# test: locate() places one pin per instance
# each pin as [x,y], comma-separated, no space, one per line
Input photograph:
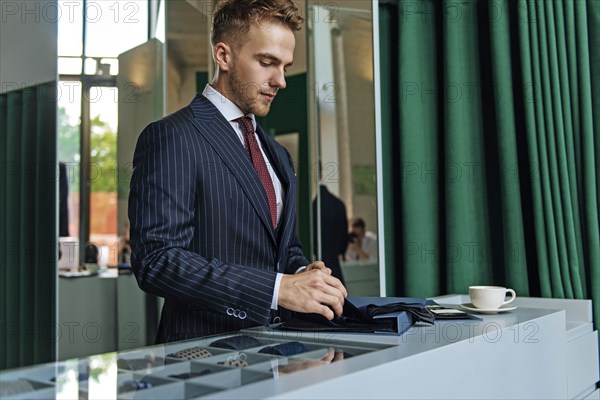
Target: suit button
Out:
[230,311]
[243,315]
[236,313]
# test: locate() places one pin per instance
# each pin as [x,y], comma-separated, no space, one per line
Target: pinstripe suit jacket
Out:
[201,230]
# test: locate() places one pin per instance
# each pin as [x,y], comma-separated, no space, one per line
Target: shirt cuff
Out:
[276,291]
[300,269]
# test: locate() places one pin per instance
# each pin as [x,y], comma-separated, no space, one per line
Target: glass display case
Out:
[543,348]
[186,369]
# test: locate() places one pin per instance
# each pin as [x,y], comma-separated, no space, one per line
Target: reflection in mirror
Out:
[187,51]
[141,100]
[343,137]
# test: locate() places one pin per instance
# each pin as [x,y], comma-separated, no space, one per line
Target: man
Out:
[333,239]
[363,243]
[213,198]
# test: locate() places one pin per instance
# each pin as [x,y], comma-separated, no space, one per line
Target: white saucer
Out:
[471,307]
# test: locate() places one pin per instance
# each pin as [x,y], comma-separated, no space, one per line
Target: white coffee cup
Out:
[490,297]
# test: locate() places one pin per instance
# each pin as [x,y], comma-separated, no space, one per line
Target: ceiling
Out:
[187,32]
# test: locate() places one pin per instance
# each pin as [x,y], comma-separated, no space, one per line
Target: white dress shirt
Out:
[231,112]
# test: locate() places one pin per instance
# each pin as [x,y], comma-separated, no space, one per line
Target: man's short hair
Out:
[358,222]
[232,19]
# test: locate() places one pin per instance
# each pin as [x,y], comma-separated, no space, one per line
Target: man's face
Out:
[258,67]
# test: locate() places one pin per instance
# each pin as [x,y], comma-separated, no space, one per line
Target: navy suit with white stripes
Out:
[201,230]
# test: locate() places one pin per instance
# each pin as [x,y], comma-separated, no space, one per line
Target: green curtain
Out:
[491,116]
[28,227]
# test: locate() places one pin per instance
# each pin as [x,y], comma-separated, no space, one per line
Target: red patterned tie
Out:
[259,164]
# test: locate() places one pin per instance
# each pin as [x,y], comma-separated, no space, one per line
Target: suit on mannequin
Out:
[334,230]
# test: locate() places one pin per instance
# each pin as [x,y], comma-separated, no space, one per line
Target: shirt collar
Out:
[225,106]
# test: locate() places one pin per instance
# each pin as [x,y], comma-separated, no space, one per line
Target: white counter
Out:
[544,349]
[548,351]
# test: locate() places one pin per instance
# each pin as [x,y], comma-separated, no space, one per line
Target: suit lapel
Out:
[223,139]
[285,173]
[276,162]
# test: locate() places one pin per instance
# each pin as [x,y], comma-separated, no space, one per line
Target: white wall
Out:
[181,84]
[141,101]
[28,43]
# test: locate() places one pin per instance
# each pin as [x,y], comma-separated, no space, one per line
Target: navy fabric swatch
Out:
[239,342]
[285,349]
[189,375]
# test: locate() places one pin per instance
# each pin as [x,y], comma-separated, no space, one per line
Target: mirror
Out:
[111,77]
[334,65]
[333,69]
[343,139]
[337,40]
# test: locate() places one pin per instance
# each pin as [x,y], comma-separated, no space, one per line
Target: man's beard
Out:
[247,96]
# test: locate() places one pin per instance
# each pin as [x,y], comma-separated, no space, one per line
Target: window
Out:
[69,120]
[91,35]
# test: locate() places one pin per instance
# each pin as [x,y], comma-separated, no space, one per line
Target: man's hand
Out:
[317,265]
[313,290]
